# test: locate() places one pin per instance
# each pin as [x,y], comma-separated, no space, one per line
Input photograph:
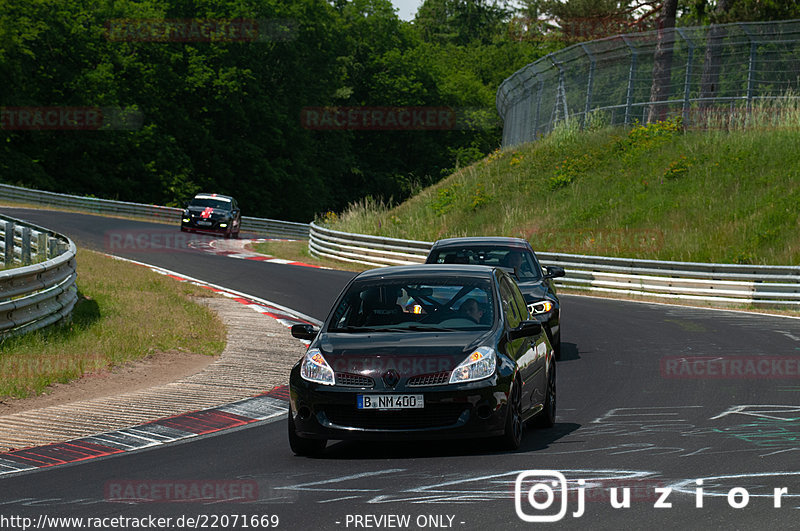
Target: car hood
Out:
[213,211]
[408,353]
[535,290]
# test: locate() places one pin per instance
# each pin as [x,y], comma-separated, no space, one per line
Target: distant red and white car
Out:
[213,213]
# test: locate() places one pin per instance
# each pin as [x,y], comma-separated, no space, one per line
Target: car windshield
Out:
[415,305]
[517,258]
[220,204]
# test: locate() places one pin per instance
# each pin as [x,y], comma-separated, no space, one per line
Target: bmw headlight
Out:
[480,364]
[315,369]
[542,306]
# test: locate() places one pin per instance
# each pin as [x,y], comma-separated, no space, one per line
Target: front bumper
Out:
[194,225]
[475,409]
[551,320]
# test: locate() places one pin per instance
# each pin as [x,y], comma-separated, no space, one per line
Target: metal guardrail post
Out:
[25,254]
[41,246]
[688,75]
[751,65]
[52,247]
[561,92]
[631,77]
[590,83]
[8,254]
[538,108]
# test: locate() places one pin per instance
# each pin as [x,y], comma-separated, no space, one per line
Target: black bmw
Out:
[514,254]
[423,352]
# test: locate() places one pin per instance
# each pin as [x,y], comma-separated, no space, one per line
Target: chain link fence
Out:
[722,69]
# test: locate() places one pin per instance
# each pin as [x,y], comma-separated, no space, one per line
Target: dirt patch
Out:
[156,369]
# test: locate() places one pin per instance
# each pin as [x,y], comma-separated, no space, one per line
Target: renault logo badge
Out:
[390,378]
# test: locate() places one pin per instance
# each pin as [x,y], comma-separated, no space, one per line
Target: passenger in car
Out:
[472,310]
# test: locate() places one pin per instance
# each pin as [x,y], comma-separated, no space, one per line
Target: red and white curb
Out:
[267,407]
[236,249]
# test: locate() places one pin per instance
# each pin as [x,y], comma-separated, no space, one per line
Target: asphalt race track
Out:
[650,397]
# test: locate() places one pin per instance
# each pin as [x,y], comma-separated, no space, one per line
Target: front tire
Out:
[302,446]
[512,436]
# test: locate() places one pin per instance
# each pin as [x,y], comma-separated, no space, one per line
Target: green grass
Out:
[125,313]
[720,193]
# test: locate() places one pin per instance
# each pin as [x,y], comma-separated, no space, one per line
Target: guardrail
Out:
[365,249]
[36,295]
[723,284]
[264,226]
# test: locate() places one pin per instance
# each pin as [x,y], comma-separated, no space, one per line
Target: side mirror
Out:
[525,329]
[554,271]
[304,331]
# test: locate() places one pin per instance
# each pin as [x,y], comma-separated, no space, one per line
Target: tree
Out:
[709,82]
[662,61]
[461,21]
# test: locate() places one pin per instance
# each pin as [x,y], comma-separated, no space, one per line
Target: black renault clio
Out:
[423,352]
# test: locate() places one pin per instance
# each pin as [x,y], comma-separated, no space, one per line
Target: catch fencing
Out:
[719,284]
[37,285]
[715,75]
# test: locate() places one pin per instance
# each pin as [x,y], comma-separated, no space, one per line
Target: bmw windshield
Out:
[520,260]
[219,204]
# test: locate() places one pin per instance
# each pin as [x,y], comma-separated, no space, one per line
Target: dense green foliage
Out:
[225,116]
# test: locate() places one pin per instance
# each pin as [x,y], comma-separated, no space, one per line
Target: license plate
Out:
[204,223]
[390,401]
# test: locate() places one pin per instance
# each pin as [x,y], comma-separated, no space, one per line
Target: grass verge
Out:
[655,191]
[125,313]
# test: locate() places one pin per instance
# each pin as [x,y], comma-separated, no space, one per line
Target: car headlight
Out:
[480,364]
[315,369]
[223,225]
[540,306]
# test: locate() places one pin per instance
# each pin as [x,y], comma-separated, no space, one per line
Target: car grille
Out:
[434,416]
[346,379]
[437,378]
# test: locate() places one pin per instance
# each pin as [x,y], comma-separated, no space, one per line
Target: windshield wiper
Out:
[418,328]
[367,329]
[353,329]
